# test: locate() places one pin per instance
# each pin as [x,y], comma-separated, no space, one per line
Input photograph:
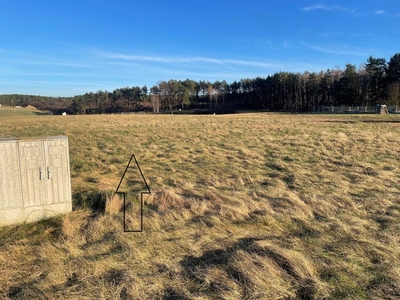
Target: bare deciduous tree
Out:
[394,94]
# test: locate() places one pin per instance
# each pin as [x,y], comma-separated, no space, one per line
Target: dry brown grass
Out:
[114,205]
[252,206]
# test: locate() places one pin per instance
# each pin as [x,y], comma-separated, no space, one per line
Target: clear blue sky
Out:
[69,47]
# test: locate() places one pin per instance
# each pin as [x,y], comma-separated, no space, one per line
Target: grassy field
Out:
[251,206]
[13,111]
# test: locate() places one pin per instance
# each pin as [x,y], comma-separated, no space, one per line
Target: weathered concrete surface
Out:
[35,181]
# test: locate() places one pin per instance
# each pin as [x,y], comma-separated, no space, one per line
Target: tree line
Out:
[376,82]
[54,104]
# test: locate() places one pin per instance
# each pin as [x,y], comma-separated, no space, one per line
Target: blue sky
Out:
[69,47]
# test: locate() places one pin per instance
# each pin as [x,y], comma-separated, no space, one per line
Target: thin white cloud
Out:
[159,58]
[250,63]
[41,60]
[379,12]
[54,63]
[142,58]
[52,74]
[47,82]
[218,75]
[327,7]
[335,49]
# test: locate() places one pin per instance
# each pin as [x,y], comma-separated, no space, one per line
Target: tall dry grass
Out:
[256,206]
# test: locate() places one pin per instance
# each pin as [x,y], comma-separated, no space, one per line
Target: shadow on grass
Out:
[172,293]
[196,267]
[34,232]
[92,200]
[26,291]
[218,256]
[50,228]
[380,121]
[361,121]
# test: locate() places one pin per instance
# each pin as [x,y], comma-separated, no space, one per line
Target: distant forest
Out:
[377,82]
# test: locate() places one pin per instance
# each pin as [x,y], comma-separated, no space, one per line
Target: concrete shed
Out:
[35,180]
